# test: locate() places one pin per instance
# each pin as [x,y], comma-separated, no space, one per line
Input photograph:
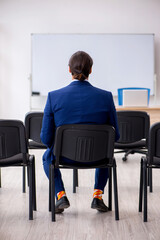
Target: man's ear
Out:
[90,71]
[69,69]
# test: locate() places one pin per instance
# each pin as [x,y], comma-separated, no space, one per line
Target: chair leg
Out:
[31,189]
[74,180]
[110,189]
[115,190]
[24,179]
[53,218]
[141,186]
[34,186]
[145,190]
[50,188]
[76,172]
[28,176]
[150,179]
[0,177]
[126,155]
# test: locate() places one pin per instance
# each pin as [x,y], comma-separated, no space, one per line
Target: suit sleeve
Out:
[113,119]
[48,125]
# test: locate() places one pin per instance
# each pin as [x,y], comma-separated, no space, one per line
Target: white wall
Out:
[18,19]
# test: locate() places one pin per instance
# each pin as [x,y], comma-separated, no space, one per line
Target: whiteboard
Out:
[119,60]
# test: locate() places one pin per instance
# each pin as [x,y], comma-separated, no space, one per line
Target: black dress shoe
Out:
[99,205]
[57,210]
[61,204]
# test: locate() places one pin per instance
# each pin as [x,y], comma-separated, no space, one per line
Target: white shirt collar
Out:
[78,80]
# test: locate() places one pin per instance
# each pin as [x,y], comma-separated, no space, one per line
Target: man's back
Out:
[79,102]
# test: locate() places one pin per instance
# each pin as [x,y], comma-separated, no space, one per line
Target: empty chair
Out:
[33,124]
[134,130]
[14,152]
[149,162]
[85,143]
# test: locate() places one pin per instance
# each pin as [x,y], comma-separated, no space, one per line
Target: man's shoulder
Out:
[58,91]
[71,87]
[102,91]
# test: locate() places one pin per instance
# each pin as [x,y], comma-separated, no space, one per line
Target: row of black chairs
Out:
[134,129]
[133,125]
[80,143]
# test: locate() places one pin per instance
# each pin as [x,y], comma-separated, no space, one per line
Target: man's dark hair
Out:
[80,65]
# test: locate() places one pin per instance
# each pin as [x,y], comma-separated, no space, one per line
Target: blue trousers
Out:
[101,175]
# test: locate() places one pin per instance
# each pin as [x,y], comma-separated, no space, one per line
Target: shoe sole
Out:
[63,205]
[99,209]
[57,211]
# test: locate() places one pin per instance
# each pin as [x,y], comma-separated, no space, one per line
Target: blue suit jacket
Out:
[79,102]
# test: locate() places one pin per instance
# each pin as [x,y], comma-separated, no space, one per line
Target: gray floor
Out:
[79,222]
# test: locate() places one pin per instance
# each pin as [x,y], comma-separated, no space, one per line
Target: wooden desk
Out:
[154,112]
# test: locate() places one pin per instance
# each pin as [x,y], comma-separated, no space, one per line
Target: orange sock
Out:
[97,194]
[61,194]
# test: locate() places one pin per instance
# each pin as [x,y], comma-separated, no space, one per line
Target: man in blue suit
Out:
[79,102]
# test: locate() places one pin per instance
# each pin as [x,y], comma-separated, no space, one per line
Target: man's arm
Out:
[48,125]
[113,119]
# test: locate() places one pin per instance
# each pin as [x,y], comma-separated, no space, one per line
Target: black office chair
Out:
[149,162]
[85,143]
[33,124]
[14,152]
[134,130]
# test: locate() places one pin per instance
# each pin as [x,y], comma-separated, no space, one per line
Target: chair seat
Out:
[72,164]
[156,161]
[138,144]
[36,145]
[16,160]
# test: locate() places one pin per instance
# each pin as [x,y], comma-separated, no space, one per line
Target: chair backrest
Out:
[84,143]
[33,125]
[133,126]
[154,144]
[12,138]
